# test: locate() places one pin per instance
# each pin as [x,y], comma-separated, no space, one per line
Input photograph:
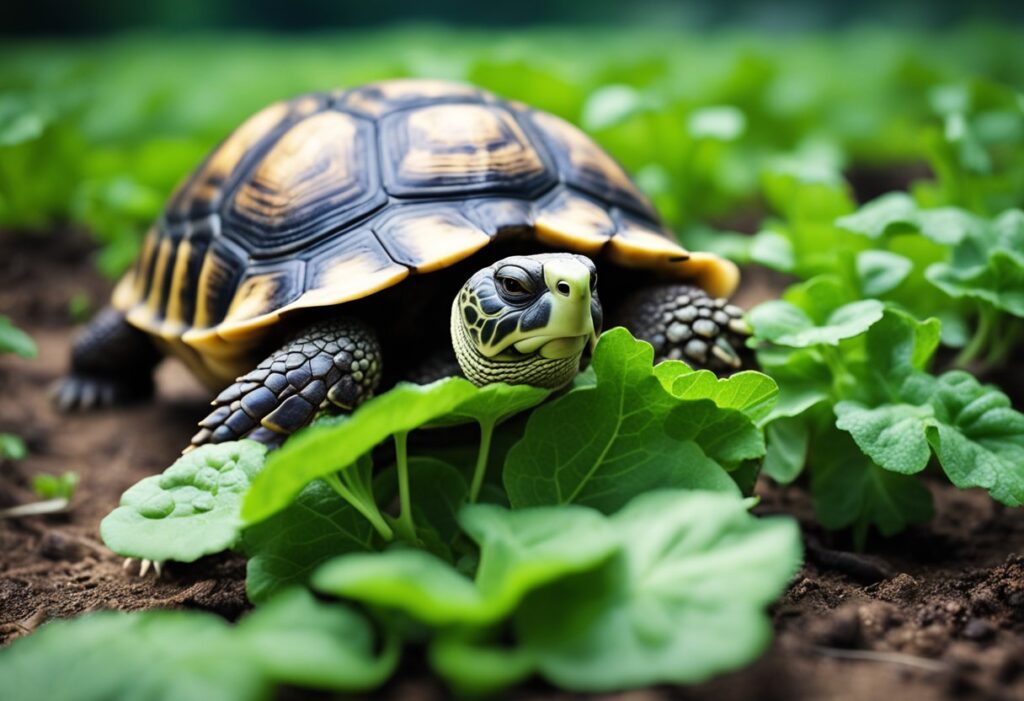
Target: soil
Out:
[936,613]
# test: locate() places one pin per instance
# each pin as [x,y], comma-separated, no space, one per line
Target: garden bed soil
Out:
[937,613]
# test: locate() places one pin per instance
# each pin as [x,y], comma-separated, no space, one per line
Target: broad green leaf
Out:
[890,213]
[881,271]
[295,639]
[476,669]
[786,453]
[603,445]
[113,656]
[284,549]
[494,403]
[722,123]
[438,490]
[14,340]
[190,510]
[682,602]
[725,436]
[170,655]
[786,325]
[851,491]
[319,451]
[751,392]
[898,345]
[519,551]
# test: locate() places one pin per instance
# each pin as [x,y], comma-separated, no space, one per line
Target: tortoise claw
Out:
[144,565]
[79,391]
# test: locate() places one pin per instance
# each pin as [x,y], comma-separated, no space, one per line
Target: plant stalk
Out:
[372,515]
[404,525]
[486,432]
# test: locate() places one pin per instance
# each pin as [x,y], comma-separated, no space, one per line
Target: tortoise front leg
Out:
[334,363]
[112,362]
[683,322]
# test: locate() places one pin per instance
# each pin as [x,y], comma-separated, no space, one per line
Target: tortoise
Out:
[330,231]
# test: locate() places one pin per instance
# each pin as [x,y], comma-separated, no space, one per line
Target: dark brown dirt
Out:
[937,613]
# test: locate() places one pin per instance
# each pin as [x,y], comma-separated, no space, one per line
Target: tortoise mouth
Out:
[552,347]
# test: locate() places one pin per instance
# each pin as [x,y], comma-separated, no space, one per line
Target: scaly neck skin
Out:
[531,369]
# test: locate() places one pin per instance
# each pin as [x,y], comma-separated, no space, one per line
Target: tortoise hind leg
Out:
[683,322]
[112,362]
[331,364]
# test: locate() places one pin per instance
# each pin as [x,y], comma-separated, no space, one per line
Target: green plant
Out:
[55,486]
[567,520]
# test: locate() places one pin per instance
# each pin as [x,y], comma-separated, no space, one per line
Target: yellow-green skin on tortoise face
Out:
[331,197]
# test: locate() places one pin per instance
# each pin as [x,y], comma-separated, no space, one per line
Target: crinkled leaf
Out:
[601,446]
[725,436]
[786,325]
[284,549]
[897,213]
[976,435]
[321,450]
[519,551]
[683,601]
[190,510]
[14,340]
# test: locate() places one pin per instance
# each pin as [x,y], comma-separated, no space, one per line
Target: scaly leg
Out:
[683,323]
[334,363]
[112,362]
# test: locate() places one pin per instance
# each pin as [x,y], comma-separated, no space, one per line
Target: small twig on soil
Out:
[36,508]
[858,567]
[876,656]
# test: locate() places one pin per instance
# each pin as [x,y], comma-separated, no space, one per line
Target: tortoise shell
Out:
[331,197]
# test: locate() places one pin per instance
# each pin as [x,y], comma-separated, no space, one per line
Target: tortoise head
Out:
[527,320]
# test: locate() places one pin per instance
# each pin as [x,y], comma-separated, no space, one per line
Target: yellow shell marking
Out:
[584,154]
[156,288]
[465,139]
[313,159]
[574,223]
[206,186]
[434,241]
[174,322]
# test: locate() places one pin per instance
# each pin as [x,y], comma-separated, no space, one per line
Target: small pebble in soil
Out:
[55,546]
[978,629]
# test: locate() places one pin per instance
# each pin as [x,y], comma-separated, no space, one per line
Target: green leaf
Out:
[194,655]
[12,447]
[55,487]
[14,340]
[319,451]
[787,440]
[295,639]
[751,392]
[477,670]
[721,123]
[519,551]
[683,601]
[881,271]
[976,435]
[190,510]
[850,490]
[285,549]
[786,325]
[600,446]
[438,490]
[898,345]
[494,403]
[988,264]
[891,213]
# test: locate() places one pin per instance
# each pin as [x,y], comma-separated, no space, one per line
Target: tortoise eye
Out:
[512,286]
[514,283]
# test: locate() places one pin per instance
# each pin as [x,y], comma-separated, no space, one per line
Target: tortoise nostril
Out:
[563,288]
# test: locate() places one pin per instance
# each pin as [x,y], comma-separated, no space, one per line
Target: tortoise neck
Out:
[532,369]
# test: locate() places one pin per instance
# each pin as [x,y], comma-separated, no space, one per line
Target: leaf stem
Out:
[486,432]
[986,319]
[404,525]
[372,515]
[1004,343]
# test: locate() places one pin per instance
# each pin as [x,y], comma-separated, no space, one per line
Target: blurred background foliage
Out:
[97,131]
